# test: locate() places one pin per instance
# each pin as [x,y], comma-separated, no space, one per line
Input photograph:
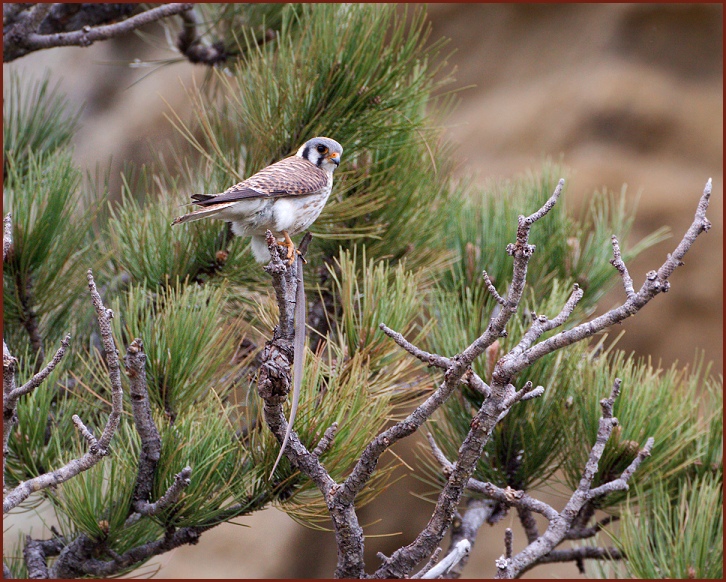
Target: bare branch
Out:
[7,234]
[526,393]
[542,324]
[656,282]
[135,361]
[95,454]
[38,378]
[700,224]
[619,264]
[522,252]
[424,356]
[273,385]
[326,440]
[549,205]
[86,433]
[22,37]
[492,289]
[621,484]
[460,551]
[182,480]
[104,317]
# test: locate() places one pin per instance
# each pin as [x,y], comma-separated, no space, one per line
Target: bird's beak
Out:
[335,158]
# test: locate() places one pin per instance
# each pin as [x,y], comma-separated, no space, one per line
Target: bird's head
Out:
[324,152]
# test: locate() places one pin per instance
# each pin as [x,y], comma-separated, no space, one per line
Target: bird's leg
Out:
[291,250]
[290,247]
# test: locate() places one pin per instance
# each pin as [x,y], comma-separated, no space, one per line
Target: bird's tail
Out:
[203,213]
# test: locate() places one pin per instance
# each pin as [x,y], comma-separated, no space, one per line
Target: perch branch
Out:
[273,385]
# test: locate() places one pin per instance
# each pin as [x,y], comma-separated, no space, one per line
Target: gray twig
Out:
[619,264]
[492,289]
[22,37]
[135,363]
[93,456]
[182,480]
[424,356]
[459,552]
[38,378]
[326,440]
[7,235]
[86,433]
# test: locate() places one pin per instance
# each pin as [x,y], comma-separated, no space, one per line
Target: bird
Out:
[285,197]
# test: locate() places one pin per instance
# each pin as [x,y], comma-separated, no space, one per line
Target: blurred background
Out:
[623,95]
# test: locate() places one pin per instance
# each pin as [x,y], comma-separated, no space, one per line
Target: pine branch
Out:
[98,450]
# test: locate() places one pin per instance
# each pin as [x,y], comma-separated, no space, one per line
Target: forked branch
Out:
[97,449]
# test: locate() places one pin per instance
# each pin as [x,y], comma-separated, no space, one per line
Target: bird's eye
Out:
[322,149]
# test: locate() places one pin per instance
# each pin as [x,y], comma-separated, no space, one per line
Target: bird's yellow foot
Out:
[290,248]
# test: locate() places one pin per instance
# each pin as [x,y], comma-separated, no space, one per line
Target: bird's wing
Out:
[293,176]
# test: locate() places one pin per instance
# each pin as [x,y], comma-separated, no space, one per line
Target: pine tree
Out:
[401,243]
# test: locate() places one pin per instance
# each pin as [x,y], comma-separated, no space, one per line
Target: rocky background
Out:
[621,94]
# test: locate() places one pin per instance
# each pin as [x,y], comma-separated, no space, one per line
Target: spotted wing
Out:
[293,176]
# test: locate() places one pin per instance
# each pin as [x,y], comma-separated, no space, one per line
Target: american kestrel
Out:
[285,197]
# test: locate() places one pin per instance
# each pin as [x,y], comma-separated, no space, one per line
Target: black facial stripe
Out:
[306,152]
